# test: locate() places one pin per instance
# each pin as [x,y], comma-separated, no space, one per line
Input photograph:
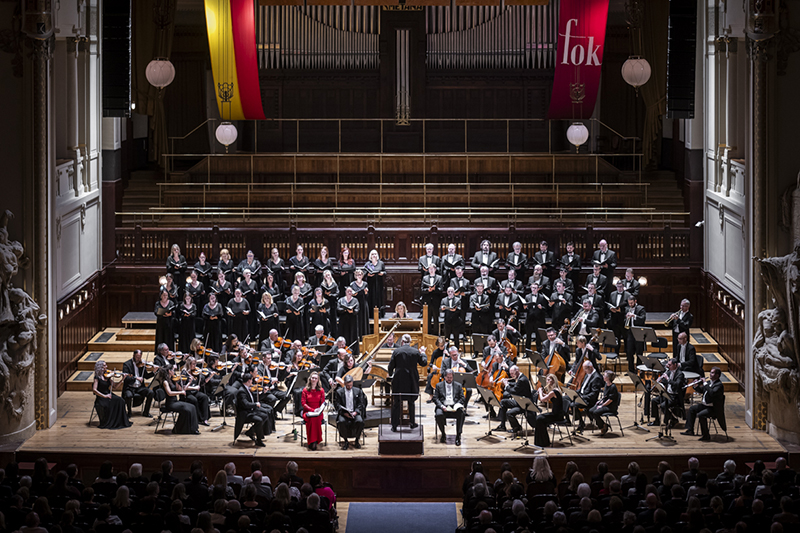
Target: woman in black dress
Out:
[295,312]
[321,264]
[277,266]
[194,386]
[171,288]
[331,292]
[272,287]
[110,407]
[267,317]
[187,312]
[203,270]
[299,262]
[176,401]
[238,310]
[225,265]
[549,393]
[249,289]
[306,290]
[345,271]
[361,291]
[318,312]
[252,264]
[164,312]
[196,289]
[222,288]
[176,263]
[347,308]
[212,322]
[375,270]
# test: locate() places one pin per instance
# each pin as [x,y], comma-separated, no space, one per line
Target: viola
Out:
[202,351]
[283,343]
[327,341]
[113,374]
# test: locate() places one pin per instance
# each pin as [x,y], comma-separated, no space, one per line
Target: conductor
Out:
[405,379]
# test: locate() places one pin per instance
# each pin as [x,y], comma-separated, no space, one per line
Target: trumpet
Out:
[672,317]
[575,327]
[629,319]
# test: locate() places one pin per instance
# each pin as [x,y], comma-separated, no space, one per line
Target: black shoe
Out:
[196,431]
[204,423]
[671,424]
[260,444]
[314,446]
[394,428]
[346,445]
[458,440]
[430,401]
[654,423]
[443,438]
[413,425]
[501,427]
[688,432]
[356,444]
[147,415]
[705,438]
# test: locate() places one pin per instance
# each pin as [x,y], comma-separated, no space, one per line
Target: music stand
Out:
[467,380]
[221,390]
[478,343]
[637,383]
[653,363]
[607,338]
[542,333]
[537,360]
[663,431]
[576,401]
[641,334]
[491,401]
[325,358]
[527,405]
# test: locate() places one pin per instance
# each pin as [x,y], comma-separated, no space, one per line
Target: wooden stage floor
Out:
[72,439]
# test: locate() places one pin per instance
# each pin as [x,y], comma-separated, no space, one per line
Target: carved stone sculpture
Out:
[775,345]
[20,323]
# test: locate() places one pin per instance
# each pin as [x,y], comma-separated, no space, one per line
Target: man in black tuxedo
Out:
[428,259]
[687,355]
[505,332]
[585,351]
[316,338]
[490,285]
[405,379]
[713,404]
[536,308]
[250,410]
[431,290]
[517,260]
[607,260]
[516,385]
[461,287]
[450,403]
[271,378]
[508,305]
[681,323]
[637,317]
[599,280]
[540,279]
[450,263]
[630,283]
[616,313]
[674,381]
[598,303]
[569,287]
[588,390]
[134,391]
[485,257]
[456,364]
[482,310]
[561,305]
[554,344]
[589,319]
[451,307]
[572,262]
[546,258]
[351,407]
[513,282]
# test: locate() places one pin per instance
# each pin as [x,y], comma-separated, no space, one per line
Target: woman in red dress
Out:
[312,398]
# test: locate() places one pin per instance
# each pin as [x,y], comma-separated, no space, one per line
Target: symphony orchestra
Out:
[253,337]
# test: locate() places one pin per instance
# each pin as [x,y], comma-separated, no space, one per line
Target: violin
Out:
[327,340]
[278,366]
[227,365]
[114,374]
[283,343]
[177,356]
[180,377]
[202,351]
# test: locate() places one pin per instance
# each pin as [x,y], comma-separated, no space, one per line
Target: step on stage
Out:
[365,473]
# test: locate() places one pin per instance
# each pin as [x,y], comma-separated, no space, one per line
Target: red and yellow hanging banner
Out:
[579,58]
[232,43]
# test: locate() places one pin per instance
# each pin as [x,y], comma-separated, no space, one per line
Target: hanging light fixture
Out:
[636,71]
[160,72]
[226,134]
[577,134]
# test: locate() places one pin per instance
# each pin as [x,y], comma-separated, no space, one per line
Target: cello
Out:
[577,379]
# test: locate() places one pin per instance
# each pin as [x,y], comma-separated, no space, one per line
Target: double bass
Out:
[493,380]
[555,363]
[577,379]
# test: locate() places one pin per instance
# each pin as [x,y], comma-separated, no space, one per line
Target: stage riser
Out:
[383,478]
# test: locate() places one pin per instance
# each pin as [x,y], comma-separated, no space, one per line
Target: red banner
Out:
[579,58]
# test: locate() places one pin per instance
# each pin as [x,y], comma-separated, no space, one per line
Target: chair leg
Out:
[621,431]
[91,415]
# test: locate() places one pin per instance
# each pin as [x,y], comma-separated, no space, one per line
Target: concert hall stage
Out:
[363,474]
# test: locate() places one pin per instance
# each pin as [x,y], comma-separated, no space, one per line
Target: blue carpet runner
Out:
[401,518]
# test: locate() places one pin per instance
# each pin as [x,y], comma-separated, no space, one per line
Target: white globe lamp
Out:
[160,72]
[636,71]
[577,134]
[226,134]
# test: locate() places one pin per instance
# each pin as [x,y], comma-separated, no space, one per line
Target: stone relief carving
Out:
[775,344]
[20,322]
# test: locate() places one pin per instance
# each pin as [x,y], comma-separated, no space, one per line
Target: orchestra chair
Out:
[302,424]
[716,421]
[239,425]
[557,427]
[163,413]
[607,419]
[339,439]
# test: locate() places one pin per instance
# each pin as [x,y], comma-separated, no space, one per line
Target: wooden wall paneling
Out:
[721,319]
[78,318]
